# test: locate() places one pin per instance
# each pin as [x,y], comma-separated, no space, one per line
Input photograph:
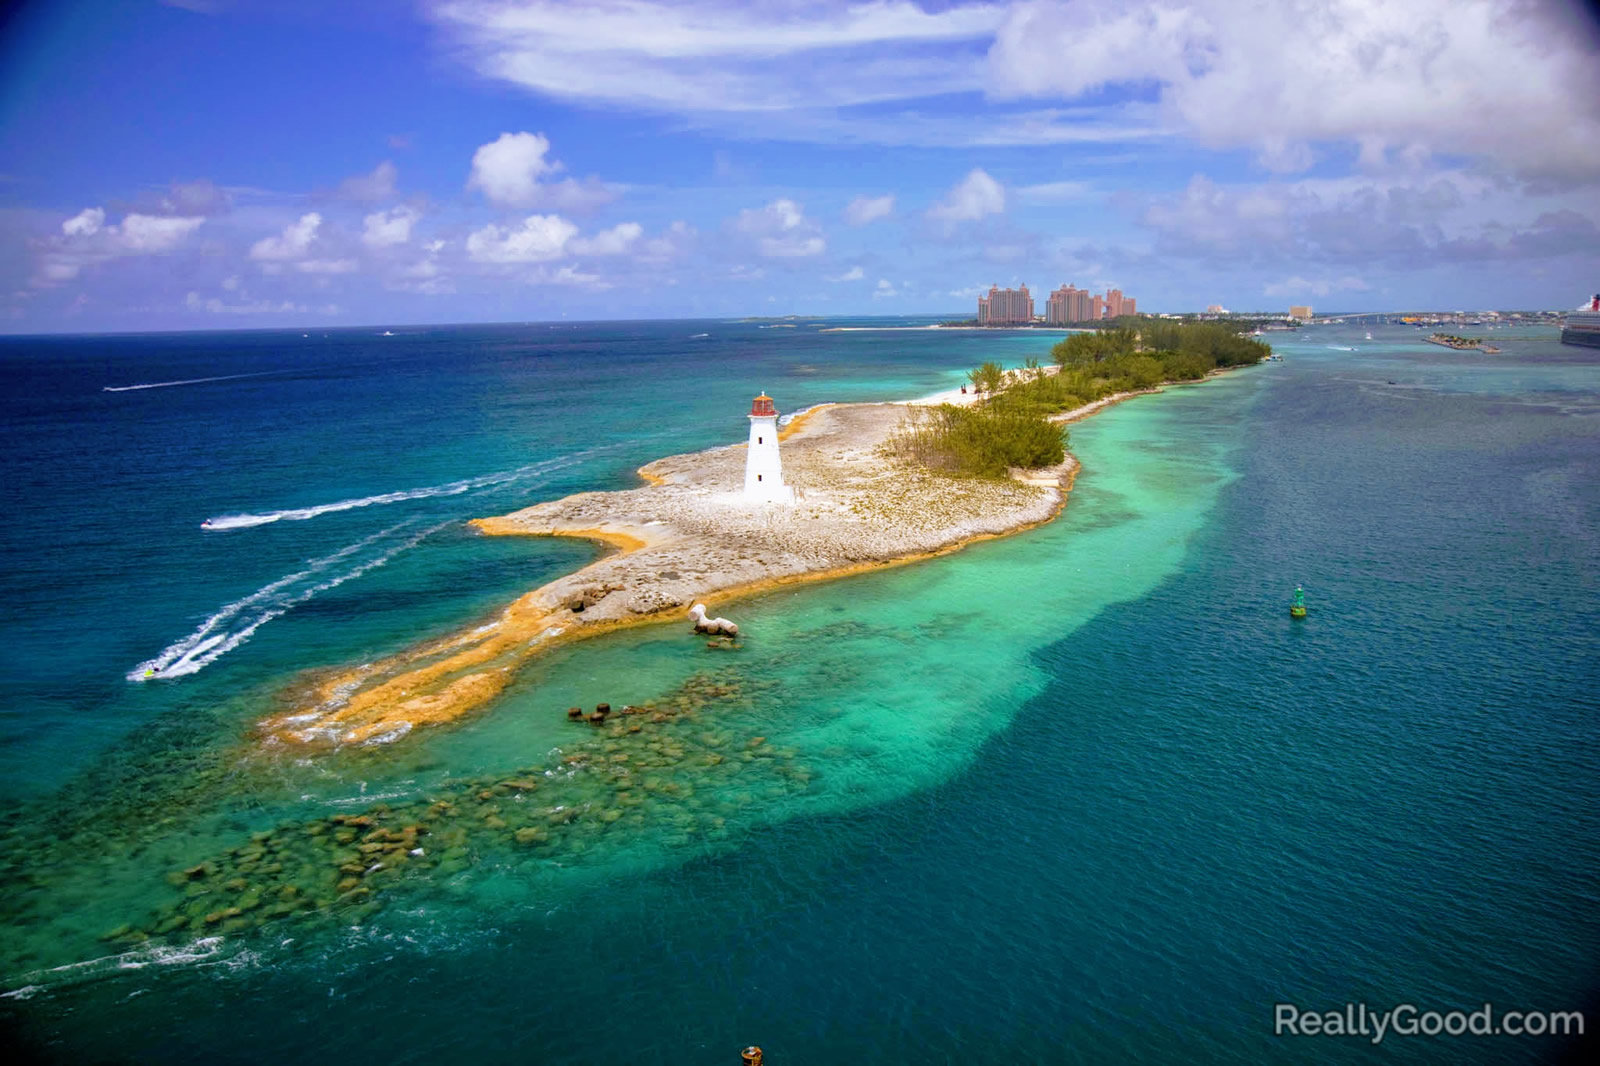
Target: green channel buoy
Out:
[1297,609]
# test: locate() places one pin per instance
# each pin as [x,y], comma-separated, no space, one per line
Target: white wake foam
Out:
[204,951]
[453,488]
[236,622]
[190,381]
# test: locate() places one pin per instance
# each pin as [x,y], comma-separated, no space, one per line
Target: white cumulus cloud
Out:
[508,168]
[539,239]
[293,243]
[1512,80]
[614,241]
[384,229]
[85,223]
[154,233]
[513,171]
[86,240]
[781,230]
[975,196]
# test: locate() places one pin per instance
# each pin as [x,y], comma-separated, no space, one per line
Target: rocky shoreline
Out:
[685,536]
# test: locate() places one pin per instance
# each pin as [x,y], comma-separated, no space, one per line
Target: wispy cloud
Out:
[1513,81]
[710,56]
[865,209]
[1407,222]
[1298,286]
[378,185]
[1055,192]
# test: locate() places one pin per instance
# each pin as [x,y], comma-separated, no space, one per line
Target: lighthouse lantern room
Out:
[763,470]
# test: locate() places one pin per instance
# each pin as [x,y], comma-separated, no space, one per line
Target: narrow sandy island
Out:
[685,536]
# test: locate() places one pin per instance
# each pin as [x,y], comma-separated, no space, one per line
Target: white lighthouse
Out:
[763,470]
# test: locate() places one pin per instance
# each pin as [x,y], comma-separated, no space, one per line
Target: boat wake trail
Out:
[234,623]
[205,951]
[191,381]
[453,488]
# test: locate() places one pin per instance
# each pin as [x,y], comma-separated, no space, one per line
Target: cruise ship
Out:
[1583,326]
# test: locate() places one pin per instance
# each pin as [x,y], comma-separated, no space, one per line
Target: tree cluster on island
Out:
[1010,425]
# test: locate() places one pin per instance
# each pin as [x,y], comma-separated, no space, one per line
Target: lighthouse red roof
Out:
[762,407]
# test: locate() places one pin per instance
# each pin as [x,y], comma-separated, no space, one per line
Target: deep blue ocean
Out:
[1086,794]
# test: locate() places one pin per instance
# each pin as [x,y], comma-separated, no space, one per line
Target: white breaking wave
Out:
[190,381]
[784,420]
[453,488]
[234,623]
[205,951]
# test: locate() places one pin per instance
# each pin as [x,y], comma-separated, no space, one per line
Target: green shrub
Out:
[977,441]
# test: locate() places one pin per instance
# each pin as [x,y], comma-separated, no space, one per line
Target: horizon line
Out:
[324,328]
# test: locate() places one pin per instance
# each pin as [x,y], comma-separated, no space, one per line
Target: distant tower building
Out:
[1005,307]
[763,470]
[1070,304]
[1113,303]
[1062,307]
[1130,306]
[1082,305]
[1301,312]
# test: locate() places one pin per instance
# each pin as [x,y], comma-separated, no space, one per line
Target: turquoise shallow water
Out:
[1085,794]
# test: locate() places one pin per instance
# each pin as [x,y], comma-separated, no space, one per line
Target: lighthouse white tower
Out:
[763,470]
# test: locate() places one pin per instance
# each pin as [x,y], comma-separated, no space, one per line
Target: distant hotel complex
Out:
[1067,305]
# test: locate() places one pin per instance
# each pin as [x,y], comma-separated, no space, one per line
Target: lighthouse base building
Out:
[763,468]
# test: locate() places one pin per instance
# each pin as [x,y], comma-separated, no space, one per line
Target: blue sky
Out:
[204,164]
